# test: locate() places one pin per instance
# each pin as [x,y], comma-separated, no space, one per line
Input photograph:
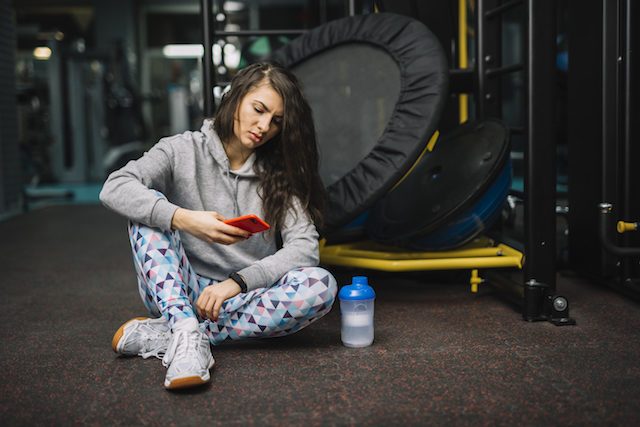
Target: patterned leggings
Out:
[170,287]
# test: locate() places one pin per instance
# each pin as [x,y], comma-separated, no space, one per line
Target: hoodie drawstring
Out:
[235,196]
[234,188]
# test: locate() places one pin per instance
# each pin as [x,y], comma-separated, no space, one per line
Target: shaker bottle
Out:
[356,312]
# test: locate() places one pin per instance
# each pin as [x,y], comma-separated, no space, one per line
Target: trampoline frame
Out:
[481,253]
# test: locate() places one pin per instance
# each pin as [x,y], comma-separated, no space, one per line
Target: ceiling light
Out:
[191,51]
[183,51]
[42,52]
[233,6]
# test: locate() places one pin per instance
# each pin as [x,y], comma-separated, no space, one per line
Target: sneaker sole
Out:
[118,336]
[185,383]
[188,381]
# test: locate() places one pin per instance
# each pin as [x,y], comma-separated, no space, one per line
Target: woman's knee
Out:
[328,279]
[318,282]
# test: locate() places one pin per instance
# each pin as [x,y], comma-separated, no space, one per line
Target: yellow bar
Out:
[475,280]
[482,246]
[364,253]
[463,99]
[423,264]
[462,33]
[508,251]
[378,257]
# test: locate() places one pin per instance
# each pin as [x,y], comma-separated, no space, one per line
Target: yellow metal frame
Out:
[463,56]
[481,253]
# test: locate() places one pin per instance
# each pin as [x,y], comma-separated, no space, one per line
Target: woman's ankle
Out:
[188,324]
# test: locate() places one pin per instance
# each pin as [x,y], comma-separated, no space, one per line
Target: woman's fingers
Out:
[212,297]
[223,239]
[226,234]
[208,226]
[216,309]
[205,306]
[201,307]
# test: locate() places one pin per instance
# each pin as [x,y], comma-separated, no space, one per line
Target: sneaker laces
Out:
[152,345]
[188,349]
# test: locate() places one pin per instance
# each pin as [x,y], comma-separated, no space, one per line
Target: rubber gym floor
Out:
[442,355]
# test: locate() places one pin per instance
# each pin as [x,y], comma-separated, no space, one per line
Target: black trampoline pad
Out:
[360,82]
[377,85]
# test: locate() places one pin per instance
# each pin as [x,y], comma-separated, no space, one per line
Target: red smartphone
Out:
[251,223]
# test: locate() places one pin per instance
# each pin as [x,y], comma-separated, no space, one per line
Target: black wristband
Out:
[240,281]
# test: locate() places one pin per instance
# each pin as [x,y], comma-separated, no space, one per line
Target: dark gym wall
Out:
[116,20]
[597,125]
[10,170]
[440,16]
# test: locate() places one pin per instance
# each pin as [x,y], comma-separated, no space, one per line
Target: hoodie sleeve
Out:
[300,249]
[126,191]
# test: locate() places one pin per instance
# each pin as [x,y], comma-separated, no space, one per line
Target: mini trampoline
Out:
[377,84]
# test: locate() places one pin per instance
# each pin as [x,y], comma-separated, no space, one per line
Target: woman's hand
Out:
[213,296]
[208,227]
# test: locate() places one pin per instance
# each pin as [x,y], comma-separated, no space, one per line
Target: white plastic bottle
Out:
[356,312]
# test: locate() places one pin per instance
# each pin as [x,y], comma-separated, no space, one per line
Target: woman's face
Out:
[259,117]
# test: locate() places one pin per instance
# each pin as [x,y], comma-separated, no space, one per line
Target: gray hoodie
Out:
[192,171]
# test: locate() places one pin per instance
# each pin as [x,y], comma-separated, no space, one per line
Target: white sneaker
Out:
[188,359]
[142,337]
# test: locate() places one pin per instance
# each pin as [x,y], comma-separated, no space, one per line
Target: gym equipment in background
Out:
[453,195]
[377,84]
[358,197]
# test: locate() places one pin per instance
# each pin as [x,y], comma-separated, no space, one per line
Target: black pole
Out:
[208,72]
[630,128]
[540,147]
[488,56]
[610,102]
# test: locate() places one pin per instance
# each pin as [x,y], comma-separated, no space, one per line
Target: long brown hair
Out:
[288,163]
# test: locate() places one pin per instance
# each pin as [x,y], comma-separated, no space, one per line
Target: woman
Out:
[207,281]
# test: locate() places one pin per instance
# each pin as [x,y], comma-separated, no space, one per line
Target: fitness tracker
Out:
[240,281]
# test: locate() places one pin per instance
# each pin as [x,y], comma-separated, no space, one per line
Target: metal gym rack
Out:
[536,294]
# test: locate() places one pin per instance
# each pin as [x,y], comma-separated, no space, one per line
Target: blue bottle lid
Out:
[359,289]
